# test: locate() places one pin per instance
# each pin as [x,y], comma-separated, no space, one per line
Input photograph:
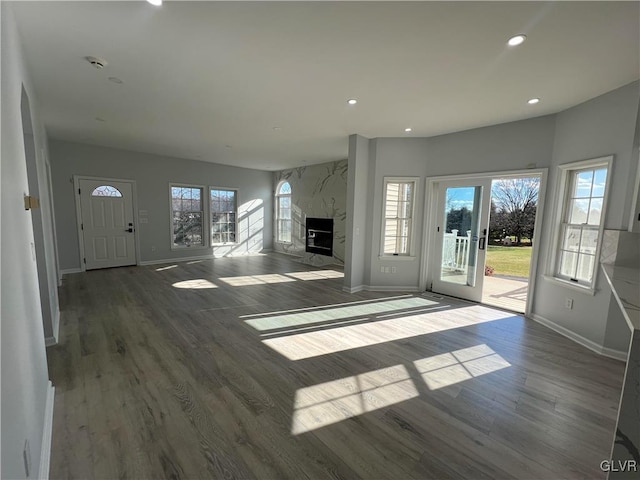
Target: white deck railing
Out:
[455,252]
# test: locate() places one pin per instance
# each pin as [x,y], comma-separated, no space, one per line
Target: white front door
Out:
[107,226]
[462,223]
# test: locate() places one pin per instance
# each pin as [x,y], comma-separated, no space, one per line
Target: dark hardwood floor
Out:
[261,367]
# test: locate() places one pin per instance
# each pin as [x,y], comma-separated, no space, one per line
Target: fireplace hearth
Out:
[319,235]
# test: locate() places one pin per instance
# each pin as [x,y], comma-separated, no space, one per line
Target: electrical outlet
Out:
[153,248]
[381,269]
[394,269]
[568,303]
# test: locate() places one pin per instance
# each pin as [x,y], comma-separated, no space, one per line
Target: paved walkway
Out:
[505,292]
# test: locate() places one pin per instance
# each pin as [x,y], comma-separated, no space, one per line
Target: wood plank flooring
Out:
[261,367]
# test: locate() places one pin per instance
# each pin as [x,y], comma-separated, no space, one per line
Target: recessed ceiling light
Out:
[352,101]
[408,129]
[517,40]
[277,129]
[227,146]
[116,80]
[99,119]
[157,3]
[533,101]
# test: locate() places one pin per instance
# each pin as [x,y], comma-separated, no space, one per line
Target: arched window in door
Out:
[106,191]
[283,212]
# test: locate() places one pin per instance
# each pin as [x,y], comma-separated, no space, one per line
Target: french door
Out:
[462,223]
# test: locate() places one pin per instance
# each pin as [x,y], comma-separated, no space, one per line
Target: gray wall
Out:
[153,174]
[356,221]
[602,126]
[511,146]
[25,384]
[316,191]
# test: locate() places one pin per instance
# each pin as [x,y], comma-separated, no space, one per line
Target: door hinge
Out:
[78,191]
[438,229]
[84,260]
[82,226]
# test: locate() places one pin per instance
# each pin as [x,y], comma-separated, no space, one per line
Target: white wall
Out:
[153,174]
[25,385]
[605,125]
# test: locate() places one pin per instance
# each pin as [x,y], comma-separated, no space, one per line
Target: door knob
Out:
[130,230]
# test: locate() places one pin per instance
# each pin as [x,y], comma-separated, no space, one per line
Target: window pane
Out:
[583,184]
[599,182]
[572,239]
[578,212]
[595,211]
[568,263]
[585,267]
[589,241]
[285,189]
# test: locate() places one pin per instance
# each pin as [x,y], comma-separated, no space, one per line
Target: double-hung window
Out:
[584,187]
[283,213]
[399,197]
[223,215]
[187,215]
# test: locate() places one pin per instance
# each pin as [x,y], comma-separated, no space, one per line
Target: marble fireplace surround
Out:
[620,258]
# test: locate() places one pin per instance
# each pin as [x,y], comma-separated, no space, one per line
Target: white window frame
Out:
[210,221]
[203,190]
[566,174]
[410,253]
[277,216]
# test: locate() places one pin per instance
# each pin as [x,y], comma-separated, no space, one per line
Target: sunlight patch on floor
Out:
[246,280]
[333,313]
[316,275]
[454,367]
[165,268]
[331,402]
[323,342]
[196,284]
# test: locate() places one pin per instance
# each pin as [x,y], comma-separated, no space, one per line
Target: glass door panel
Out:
[462,222]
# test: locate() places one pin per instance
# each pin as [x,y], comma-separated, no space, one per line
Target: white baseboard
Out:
[579,339]
[67,271]
[357,289]
[47,433]
[53,340]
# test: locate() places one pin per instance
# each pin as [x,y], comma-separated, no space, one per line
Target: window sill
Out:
[401,258]
[566,283]
[227,244]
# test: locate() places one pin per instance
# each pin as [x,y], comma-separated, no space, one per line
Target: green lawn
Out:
[513,261]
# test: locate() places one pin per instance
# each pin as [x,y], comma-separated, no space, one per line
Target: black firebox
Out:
[320,236]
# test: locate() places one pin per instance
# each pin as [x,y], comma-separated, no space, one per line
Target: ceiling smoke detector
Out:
[99,63]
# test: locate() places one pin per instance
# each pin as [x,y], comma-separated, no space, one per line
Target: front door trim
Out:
[429,238]
[76,196]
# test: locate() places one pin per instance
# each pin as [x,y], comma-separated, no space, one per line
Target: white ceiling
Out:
[211,80]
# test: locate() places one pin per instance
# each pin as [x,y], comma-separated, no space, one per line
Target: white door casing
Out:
[107,227]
